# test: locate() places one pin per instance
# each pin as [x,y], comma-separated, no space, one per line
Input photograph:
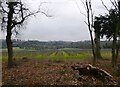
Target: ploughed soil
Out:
[30,72]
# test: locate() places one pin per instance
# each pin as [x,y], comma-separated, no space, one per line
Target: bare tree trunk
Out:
[116,34]
[10,50]
[93,51]
[118,47]
[97,46]
[9,34]
[114,50]
[117,41]
[89,27]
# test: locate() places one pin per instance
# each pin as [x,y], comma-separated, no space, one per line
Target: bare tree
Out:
[14,15]
[90,23]
[93,29]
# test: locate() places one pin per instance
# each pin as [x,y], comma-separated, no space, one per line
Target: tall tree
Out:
[90,24]
[14,15]
[118,26]
[93,30]
[114,17]
[89,15]
[109,28]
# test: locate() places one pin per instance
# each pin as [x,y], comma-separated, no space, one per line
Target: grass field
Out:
[54,55]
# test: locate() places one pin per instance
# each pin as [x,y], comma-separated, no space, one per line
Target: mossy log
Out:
[89,70]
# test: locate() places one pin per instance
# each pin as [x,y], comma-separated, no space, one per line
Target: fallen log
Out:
[89,70]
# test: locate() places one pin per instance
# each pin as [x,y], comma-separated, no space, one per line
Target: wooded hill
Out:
[40,45]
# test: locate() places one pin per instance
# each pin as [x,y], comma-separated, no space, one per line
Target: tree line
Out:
[41,45]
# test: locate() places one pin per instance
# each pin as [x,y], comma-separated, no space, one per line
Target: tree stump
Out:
[89,70]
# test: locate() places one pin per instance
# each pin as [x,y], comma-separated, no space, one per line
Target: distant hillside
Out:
[40,45]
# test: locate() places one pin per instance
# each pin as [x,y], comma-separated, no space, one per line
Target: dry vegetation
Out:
[58,72]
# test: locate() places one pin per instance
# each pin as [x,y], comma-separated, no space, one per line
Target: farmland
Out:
[60,54]
[54,50]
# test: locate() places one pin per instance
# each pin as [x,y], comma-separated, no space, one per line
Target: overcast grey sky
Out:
[65,24]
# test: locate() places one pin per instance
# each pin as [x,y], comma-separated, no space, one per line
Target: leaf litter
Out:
[46,72]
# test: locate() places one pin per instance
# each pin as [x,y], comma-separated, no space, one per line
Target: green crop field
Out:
[54,55]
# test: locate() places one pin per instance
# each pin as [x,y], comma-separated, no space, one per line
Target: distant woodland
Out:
[41,45]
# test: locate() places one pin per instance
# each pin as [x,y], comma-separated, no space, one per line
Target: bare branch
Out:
[79,9]
[83,4]
[3,10]
[28,15]
[104,5]
[21,9]
[45,14]
[88,14]
[92,14]
[24,18]
[114,4]
[86,23]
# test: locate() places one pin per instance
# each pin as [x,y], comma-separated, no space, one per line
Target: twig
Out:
[79,9]
[113,3]
[104,5]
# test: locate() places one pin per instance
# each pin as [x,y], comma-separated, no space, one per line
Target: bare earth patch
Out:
[47,72]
